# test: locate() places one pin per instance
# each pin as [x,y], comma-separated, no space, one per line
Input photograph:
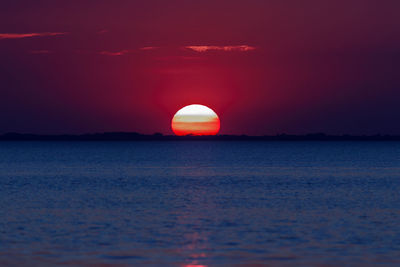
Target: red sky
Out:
[265,67]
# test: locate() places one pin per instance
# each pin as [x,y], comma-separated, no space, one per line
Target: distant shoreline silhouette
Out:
[133,136]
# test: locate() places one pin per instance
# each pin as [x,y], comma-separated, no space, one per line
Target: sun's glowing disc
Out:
[195,120]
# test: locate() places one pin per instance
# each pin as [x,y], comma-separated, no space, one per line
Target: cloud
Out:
[41,52]
[116,53]
[28,35]
[149,48]
[228,48]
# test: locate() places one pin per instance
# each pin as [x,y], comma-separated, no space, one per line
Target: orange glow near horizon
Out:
[195,120]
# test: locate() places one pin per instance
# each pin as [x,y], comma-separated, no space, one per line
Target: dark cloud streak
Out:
[29,35]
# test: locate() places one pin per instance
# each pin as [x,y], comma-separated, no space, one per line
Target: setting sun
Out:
[195,120]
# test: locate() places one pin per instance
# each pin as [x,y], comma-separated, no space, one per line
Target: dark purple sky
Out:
[265,67]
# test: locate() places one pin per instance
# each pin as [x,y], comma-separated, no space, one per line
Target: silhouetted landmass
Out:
[125,136]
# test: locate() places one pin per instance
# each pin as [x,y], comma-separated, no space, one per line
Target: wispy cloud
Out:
[41,52]
[28,35]
[206,48]
[114,53]
[149,48]
[102,31]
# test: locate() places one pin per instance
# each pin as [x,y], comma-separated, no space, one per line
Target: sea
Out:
[200,203]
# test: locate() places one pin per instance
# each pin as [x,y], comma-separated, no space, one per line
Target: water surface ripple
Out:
[200,203]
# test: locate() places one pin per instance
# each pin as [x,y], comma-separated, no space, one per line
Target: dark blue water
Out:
[200,203]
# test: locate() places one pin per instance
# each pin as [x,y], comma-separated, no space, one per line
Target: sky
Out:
[264,66]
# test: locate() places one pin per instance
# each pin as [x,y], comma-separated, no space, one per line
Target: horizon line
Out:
[135,136]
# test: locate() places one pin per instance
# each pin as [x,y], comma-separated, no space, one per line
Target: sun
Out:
[195,120]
